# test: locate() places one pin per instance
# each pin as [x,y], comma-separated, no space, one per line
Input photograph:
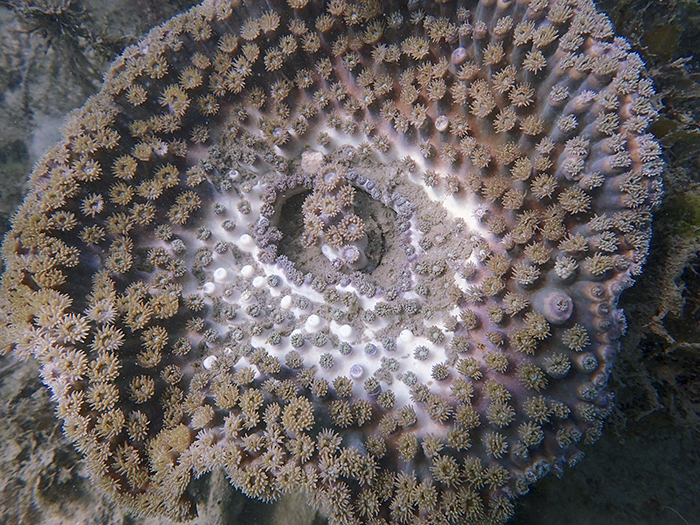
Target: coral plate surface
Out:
[370,251]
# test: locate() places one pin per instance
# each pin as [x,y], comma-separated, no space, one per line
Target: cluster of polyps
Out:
[369,251]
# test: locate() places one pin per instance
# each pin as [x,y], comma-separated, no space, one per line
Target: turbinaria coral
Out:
[369,251]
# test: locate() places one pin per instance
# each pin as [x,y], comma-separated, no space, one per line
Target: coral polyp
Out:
[367,250]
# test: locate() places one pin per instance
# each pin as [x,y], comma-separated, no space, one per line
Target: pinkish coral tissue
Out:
[367,250]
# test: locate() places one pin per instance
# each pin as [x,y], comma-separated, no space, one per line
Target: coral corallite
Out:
[367,250]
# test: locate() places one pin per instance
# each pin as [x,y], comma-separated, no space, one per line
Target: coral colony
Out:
[367,250]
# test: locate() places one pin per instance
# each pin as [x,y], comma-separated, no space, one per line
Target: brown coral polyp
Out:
[367,250]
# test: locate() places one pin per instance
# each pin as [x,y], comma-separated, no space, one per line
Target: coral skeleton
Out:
[371,251]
